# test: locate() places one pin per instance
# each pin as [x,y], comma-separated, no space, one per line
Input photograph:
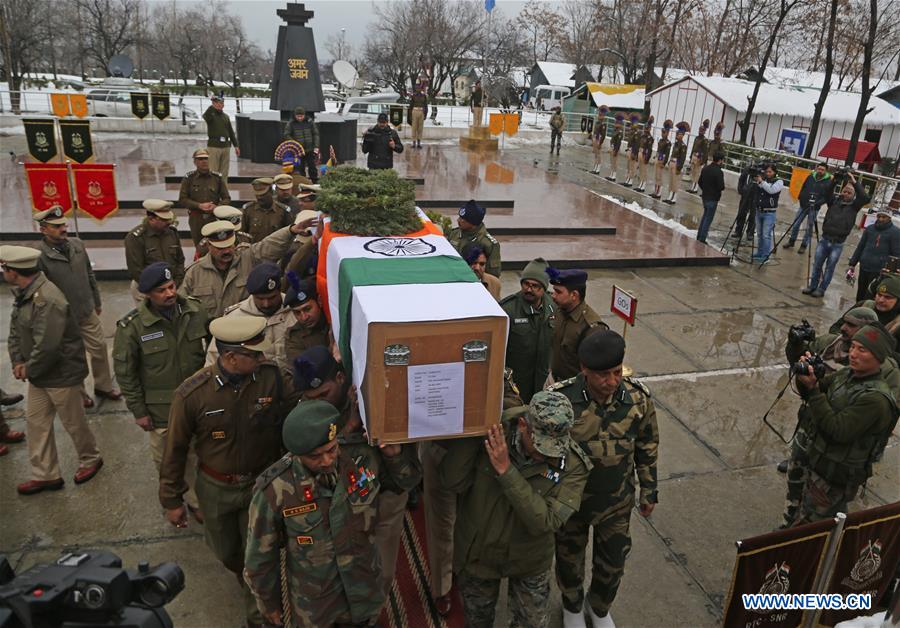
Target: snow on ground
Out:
[873,621]
[637,208]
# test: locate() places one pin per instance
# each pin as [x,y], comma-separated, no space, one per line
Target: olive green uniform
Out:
[144,246]
[622,438]
[44,336]
[261,221]
[277,326]
[505,523]
[298,339]
[571,328]
[235,426]
[334,573]
[484,240]
[218,290]
[198,187]
[528,344]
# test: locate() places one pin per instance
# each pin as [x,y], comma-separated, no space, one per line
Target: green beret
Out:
[309,425]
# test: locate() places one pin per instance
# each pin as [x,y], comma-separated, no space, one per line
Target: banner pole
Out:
[824,577]
[70,177]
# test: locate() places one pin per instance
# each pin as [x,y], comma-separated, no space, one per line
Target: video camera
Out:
[81,590]
[820,369]
[756,169]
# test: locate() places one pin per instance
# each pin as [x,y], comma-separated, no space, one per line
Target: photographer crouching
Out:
[845,422]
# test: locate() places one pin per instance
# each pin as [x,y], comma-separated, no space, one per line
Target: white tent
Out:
[778,107]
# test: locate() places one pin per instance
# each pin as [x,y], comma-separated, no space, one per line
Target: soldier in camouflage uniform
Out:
[156,239]
[662,158]
[699,154]
[471,229]
[598,136]
[265,215]
[676,163]
[531,317]
[201,190]
[633,137]
[574,320]
[319,503]
[646,141]
[615,145]
[848,418]
[615,422]
[517,487]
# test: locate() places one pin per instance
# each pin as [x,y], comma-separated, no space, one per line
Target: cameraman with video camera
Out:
[845,422]
[817,190]
[747,207]
[769,188]
[840,218]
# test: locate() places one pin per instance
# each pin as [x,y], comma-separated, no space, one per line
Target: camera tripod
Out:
[797,220]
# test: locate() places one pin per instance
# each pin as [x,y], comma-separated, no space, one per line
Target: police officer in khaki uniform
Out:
[265,300]
[470,229]
[46,350]
[158,345]
[575,320]
[219,279]
[310,328]
[156,239]
[201,191]
[265,215]
[234,216]
[65,262]
[285,193]
[232,411]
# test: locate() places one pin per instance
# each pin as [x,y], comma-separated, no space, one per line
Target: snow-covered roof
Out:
[806,78]
[792,101]
[558,73]
[617,96]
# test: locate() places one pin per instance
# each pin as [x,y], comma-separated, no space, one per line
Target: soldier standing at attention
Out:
[531,316]
[676,164]
[516,488]
[65,262]
[715,145]
[476,103]
[471,229]
[699,153]
[319,503]
[219,279]
[598,136]
[663,146]
[557,124]
[418,108]
[646,141]
[575,320]
[220,136]
[201,191]
[158,345]
[46,350]
[615,420]
[156,239]
[264,215]
[633,136]
[615,145]
[233,412]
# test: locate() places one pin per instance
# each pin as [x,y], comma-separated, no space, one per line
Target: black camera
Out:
[815,361]
[88,590]
[803,332]
[843,170]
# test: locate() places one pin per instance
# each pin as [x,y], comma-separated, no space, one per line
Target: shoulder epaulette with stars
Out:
[278,467]
[218,174]
[123,322]
[138,231]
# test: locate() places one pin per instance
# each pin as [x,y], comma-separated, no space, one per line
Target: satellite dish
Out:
[345,73]
[120,66]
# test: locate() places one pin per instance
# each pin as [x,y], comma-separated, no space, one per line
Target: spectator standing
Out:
[817,191]
[840,217]
[711,182]
[220,137]
[380,142]
[879,241]
[304,131]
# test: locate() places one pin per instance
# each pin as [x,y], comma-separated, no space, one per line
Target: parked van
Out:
[366,108]
[546,97]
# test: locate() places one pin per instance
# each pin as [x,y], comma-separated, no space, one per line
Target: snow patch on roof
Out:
[558,73]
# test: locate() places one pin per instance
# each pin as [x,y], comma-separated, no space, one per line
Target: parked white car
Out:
[115,103]
[365,109]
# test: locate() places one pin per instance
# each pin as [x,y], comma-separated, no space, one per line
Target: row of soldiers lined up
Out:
[215,416]
[639,148]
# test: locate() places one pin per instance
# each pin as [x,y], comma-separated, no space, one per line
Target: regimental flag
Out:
[495,123]
[346,262]
[59,103]
[396,115]
[798,178]
[76,140]
[140,104]
[161,107]
[95,189]
[48,185]
[78,105]
[41,137]
[510,123]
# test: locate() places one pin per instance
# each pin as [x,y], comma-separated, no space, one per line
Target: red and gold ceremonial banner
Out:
[95,189]
[59,103]
[784,561]
[78,105]
[798,177]
[48,185]
[866,559]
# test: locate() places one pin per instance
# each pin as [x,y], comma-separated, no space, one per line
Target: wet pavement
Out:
[709,344]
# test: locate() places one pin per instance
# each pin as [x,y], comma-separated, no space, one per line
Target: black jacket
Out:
[375,144]
[841,217]
[711,182]
[875,246]
[819,190]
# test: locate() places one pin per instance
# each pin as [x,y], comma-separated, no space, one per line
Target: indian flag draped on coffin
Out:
[418,334]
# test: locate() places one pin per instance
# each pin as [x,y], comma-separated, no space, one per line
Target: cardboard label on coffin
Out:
[386,391]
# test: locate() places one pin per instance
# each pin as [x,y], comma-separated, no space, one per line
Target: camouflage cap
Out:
[551,417]
[889,284]
[310,425]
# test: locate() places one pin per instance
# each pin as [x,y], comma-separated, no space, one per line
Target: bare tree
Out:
[109,27]
[826,82]
[338,47]
[579,45]
[543,28]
